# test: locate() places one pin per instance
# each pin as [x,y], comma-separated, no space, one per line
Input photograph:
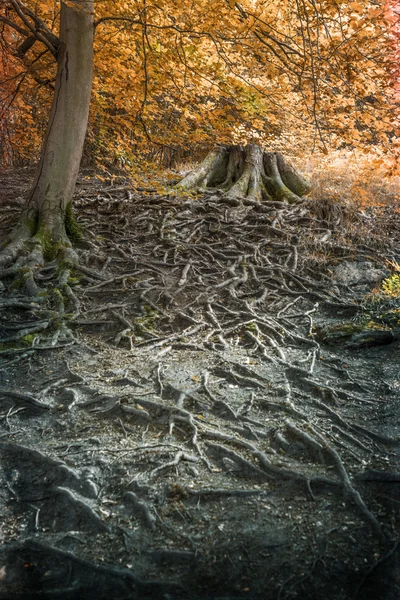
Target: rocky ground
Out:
[219,419]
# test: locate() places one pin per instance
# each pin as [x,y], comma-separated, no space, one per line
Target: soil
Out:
[201,436]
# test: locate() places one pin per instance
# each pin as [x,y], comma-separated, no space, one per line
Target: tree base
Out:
[238,173]
[25,254]
[38,263]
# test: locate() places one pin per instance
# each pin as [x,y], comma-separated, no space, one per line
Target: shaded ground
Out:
[213,430]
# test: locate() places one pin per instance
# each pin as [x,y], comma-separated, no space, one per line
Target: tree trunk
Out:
[44,215]
[247,173]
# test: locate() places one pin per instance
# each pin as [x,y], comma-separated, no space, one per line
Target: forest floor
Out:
[225,420]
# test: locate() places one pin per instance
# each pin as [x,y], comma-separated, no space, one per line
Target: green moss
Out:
[382,306]
[67,265]
[68,316]
[390,318]
[143,324]
[56,294]
[341,331]
[73,280]
[18,344]
[19,280]
[347,328]
[57,299]
[9,346]
[72,227]
[147,322]
[391,286]
[385,318]
[344,331]
[31,224]
[49,247]
[52,248]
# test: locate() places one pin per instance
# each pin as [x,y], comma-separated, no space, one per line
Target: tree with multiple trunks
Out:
[166,76]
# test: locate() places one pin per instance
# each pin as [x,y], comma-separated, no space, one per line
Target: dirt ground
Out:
[223,420]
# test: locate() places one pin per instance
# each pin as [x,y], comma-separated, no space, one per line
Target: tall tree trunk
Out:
[49,202]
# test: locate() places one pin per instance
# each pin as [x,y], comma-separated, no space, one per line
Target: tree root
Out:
[350,491]
[142,508]
[186,278]
[246,467]
[179,456]
[91,578]
[82,507]
[61,473]
[39,265]
[212,493]
[234,173]
[26,399]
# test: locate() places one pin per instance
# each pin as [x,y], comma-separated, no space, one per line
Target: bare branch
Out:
[14,26]
[25,46]
[40,34]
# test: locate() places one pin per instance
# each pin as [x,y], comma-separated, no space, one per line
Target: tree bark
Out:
[247,173]
[43,217]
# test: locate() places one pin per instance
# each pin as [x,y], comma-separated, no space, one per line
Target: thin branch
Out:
[14,26]
[22,11]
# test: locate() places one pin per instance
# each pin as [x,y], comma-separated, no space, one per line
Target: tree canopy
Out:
[177,76]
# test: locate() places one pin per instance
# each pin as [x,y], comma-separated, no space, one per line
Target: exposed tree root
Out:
[25,399]
[132,500]
[38,263]
[204,365]
[86,579]
[247,173]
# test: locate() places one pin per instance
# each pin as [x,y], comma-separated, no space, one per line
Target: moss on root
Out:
[45,239]
[252,327]
[52,246]
[20,278]
[340,331]
[72,227]
[20,344]
[148,321]
[74,280]
[30,224]
[52,249]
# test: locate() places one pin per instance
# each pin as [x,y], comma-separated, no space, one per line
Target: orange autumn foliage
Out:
[178,77]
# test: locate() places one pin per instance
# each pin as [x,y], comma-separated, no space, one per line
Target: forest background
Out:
[200,381]
[315,80]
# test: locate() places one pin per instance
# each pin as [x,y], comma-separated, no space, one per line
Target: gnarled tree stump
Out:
[239,173]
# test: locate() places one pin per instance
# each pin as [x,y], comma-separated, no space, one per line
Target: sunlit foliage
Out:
[175,77]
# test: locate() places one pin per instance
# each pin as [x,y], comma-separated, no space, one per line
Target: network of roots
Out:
[249,174]
[204,319]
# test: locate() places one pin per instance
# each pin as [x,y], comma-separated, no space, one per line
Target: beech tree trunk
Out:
[241,173]
[43,216]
